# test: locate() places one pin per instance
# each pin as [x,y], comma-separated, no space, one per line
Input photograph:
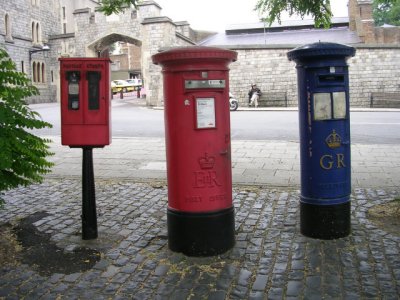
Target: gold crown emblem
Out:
[206,162]
[333,140]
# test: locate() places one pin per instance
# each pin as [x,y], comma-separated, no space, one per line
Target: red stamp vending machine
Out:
[85,122]
[85,102]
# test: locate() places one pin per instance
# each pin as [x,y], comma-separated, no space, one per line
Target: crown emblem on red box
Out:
[333,140]
[206,162]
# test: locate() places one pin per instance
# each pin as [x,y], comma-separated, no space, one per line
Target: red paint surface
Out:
[85,127]
[198,160]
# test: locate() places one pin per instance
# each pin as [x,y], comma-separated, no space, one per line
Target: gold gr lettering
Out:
[327,161]
[340,162]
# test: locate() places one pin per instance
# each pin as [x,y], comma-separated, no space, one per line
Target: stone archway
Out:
[127,63]
[143,27]
[102,43]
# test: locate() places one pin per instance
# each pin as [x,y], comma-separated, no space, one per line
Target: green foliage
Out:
[386,12]
[320,10]
[22,155]
[109,7]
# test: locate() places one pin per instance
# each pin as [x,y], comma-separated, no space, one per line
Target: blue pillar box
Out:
[324,121]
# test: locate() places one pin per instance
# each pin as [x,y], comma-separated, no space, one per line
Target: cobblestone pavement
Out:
[271,259]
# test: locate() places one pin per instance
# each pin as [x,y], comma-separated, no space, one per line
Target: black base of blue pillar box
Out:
[325,222]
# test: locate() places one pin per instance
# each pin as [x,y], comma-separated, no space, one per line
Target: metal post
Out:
[89,216]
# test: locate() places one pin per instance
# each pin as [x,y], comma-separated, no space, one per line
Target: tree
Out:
[22,155]
[320,10]
[109,7]
[386,12]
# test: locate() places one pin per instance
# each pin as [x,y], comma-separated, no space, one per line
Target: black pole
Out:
[89,216]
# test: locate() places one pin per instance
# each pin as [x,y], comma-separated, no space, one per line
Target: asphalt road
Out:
[130,119]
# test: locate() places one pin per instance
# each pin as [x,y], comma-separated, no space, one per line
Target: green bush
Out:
[22,154]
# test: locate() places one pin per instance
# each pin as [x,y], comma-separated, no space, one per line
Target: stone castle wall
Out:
[144,28]
[18,43]
[372,69]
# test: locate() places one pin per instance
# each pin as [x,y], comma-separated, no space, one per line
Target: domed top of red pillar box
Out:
[194,58]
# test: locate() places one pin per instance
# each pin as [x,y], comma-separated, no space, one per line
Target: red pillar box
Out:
[85,102]
[200,213]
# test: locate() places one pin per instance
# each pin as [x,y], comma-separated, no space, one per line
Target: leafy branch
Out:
[109,7]
[320,10]
[22,154]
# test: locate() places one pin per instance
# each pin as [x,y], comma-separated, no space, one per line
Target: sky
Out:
[214,15]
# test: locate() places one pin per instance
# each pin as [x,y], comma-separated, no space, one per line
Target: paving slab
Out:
[273,163]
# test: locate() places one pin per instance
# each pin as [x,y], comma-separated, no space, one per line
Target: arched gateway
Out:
[143,27]
[104,42]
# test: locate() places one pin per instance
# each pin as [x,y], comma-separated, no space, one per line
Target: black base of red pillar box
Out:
[201,234]
[326,222]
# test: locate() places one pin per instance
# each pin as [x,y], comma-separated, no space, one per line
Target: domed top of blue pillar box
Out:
[320,51]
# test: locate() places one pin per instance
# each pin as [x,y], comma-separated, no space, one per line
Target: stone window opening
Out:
[92,18]
[43,73]
[34,71]
[38,72]
[36,34]
[7,24]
